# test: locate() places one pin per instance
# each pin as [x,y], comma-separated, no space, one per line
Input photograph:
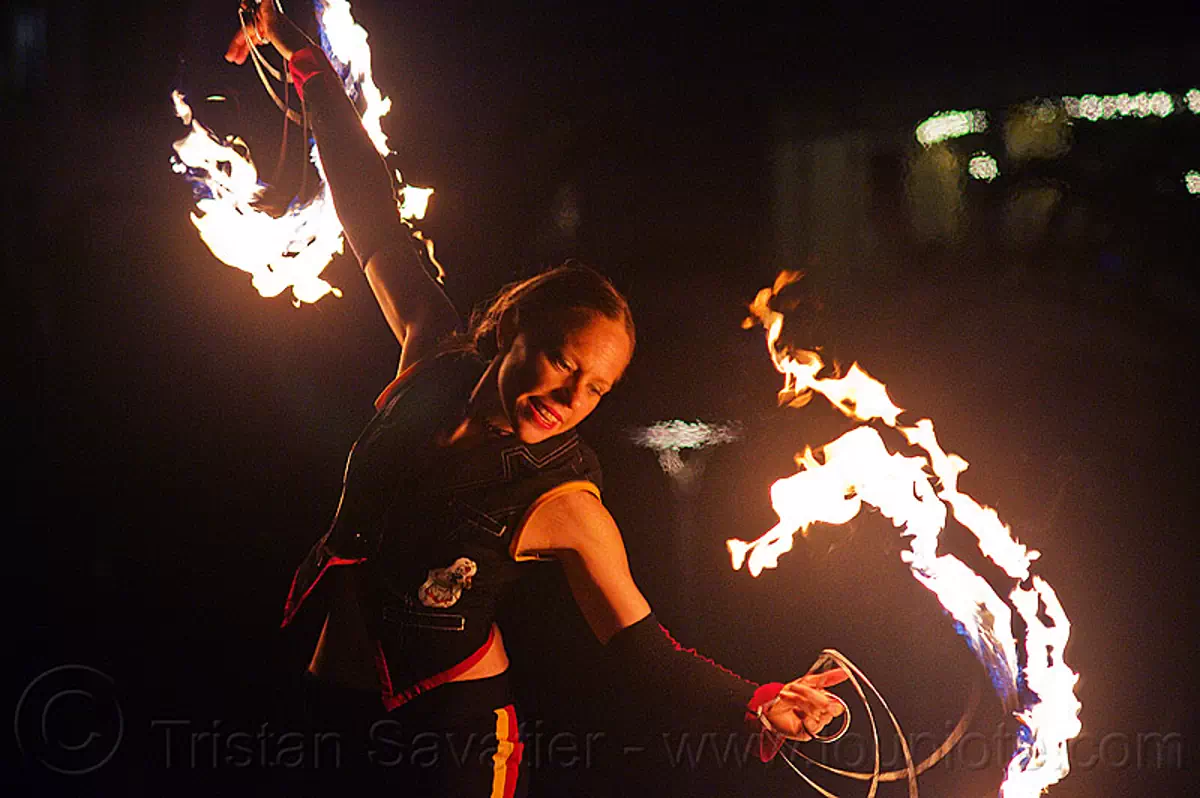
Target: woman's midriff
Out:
[344,655]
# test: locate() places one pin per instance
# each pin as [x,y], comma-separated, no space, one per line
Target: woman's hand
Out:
[266,24]
[803,707]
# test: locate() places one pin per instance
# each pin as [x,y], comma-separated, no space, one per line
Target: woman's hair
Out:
[560,296]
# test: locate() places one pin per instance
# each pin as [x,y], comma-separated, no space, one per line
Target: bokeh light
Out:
[1192,98]
[1192,181]
[1039,129]
[1094,107]
[950,125]
[983,167]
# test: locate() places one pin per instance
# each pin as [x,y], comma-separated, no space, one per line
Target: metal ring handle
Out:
[845,724]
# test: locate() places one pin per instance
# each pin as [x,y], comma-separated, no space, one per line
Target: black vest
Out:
[433,528]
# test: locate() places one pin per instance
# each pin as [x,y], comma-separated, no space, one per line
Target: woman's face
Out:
[549,381]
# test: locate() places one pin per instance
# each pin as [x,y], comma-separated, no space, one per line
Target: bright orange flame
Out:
[290,250]
[857,468]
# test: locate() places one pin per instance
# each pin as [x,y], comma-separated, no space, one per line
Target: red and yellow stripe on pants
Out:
[507,759]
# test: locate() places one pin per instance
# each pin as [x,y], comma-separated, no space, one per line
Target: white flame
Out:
[1042,760]
[290,250]
[857,468]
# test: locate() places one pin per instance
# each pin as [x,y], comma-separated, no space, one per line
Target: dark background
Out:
[177,441]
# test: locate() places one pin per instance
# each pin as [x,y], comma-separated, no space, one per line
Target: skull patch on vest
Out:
[444,586]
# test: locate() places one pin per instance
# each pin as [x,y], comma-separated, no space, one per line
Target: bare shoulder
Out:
[573,521]
[577,529]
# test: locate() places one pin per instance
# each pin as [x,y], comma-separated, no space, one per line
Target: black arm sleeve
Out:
[667,676]
[359,181]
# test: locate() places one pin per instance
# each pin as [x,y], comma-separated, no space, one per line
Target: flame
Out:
[914,492]
[290,250]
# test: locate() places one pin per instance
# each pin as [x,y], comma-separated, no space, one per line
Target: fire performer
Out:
[471,466]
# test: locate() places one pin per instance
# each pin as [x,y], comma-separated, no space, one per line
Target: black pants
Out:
[459,739]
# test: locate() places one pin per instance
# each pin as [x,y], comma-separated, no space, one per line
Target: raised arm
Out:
[417,310]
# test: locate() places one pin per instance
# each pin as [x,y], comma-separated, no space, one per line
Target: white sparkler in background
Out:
[914,493]
[290,250]
[668,438]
